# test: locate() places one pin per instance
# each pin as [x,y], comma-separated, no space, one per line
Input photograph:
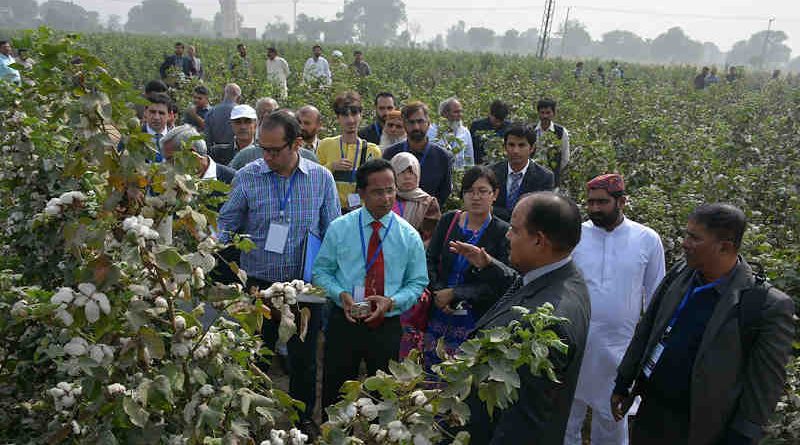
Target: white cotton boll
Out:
[147,222]
[351,411]
[87,289]
[96,354]
[370,412]
[414,418]
[52,210]
[64,316]
[278,442]
[138,289]
[161,302]
[80,300]
[191,332]
[102,301]
[201,352]
[20,309]
[116,389]
[54,202]
[92,311]
[206,390]
[419,439]
[129,223]
[56,393]
[67,401]
[64,385]
[76,428]
[180,349]
[419,398]
[180,323]
[64,295]
[150,234]
[76,347]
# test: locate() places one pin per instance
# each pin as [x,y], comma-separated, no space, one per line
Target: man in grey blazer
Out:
[709,355]
[545,228]
[518,175]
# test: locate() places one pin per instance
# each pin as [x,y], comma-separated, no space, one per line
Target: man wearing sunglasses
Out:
[343,154]
[278,201]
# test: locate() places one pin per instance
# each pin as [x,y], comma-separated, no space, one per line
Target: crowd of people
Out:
[700,349]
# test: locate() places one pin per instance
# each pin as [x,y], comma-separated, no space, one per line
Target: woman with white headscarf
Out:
[420,209]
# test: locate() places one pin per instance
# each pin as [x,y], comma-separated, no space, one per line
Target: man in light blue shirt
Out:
[350,267]
[6,59]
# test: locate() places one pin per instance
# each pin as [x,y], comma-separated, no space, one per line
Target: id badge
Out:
[650,365]
[353,200]
[276,237]
[358,294]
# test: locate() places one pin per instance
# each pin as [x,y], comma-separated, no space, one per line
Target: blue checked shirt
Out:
[340,265]
[253,204]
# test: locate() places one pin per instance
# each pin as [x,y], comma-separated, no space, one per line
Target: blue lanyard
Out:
[371,262]
[355,159]
[691,292]
[460,264]
[425,152]
[377,129]
[282,201]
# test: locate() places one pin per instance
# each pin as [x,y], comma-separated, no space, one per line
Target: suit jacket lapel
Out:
[728,301]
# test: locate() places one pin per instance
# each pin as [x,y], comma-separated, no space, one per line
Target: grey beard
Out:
[387,140]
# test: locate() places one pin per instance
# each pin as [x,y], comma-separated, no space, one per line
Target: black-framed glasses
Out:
[348,110]
[274,151]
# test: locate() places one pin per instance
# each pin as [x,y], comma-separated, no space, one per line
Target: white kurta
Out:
[622,270]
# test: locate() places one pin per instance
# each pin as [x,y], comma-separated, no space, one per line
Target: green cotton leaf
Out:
[539,350]
[244,244]
[137,315]
[503,371]
[209,417]
[161,393]
[137,415]
[240,428]
[351,389]
[405,371]
[153,342]
[107,438]
[169,259]
[498,335]
[462,438]
[266,413]
[383,385]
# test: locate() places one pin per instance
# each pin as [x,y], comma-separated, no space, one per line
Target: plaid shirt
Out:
[253,204]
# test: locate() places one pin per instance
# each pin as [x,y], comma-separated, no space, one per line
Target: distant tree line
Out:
[384,22]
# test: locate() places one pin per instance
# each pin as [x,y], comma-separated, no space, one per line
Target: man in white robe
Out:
[622,263]
[455,134]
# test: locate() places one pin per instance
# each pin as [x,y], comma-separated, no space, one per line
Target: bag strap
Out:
[447,238]
[363,152]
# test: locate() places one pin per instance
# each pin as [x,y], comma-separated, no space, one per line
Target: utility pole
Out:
[766,40]
[564,34]
[294,28]
[547,23]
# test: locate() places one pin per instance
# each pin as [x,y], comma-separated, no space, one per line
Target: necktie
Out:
[158,147]
[513,190]
[373,283]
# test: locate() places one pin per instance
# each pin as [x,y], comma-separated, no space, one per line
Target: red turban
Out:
[611,182]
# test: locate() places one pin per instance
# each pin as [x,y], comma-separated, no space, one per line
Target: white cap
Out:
[337,53]
[245,111]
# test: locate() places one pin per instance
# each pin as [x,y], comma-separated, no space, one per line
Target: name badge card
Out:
[276,238]
[358,294]
[353,200]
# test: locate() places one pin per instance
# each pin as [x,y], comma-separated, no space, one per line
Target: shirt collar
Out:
[552,127]
[540,271]
[153,132]
[367,218]
[523,171]
[211,170]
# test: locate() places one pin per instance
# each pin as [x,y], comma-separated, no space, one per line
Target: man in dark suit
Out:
[519,175]
[709,355]
[545,228]
[177,60]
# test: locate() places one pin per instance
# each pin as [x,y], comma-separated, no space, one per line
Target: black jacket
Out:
[540,414]
[225,174]
[481,295]
[372,133]
[170,61]
[536,179]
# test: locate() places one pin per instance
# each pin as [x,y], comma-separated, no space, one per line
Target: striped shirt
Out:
[253,205]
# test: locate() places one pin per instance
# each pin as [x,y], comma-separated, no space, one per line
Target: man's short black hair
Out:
[155,86]
[161,98]
[725,221]
[201,89]
[178,44]
[240,45]
[357,52]
[521,130]
[368,168]
[546,103]
[498,109]
[385,94]
[3,42]
[272,49]
[477,172]
[317,46]
[557,216]
[282,119]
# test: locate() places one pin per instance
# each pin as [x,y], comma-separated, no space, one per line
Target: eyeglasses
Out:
[273,151]
[479,192]
[410,122]
[348,110]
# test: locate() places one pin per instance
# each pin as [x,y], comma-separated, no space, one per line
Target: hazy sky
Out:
[721,21]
